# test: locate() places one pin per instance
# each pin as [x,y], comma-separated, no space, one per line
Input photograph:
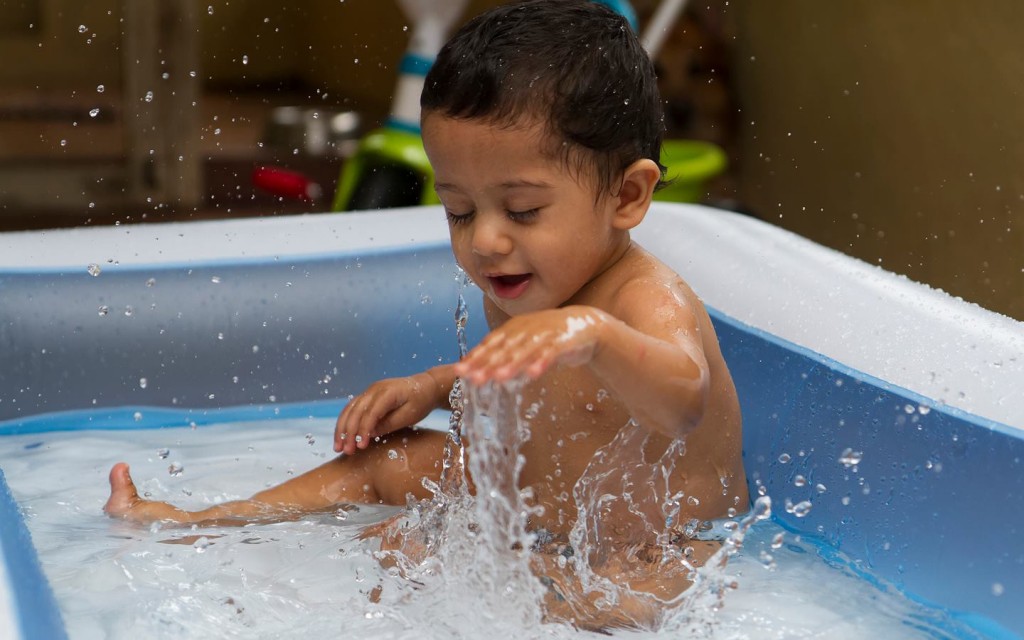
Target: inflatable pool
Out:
[904,402]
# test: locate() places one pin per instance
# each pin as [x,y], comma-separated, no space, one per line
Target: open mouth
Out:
[509,286]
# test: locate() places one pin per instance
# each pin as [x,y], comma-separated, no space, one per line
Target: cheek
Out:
[463,252]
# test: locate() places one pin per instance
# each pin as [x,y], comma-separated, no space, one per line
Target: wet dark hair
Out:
[574,65]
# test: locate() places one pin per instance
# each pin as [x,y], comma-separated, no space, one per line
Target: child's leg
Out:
[384,473]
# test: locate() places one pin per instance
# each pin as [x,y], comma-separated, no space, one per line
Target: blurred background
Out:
[890,131]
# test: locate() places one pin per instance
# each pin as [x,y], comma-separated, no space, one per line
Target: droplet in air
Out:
[94,269]
[850,458]
[150,282]
[799,509]
[209,9]
[104,310]
[785,458]
[245,59]
[148,97]
[215,279]
[143,383]
[163,453]
[201,544]
[137,416]
[82,28]
[100,88]
[93,113]
[175,469]
[392,454]
[63,143]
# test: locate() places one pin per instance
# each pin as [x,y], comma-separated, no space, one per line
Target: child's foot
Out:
[124,501]
[123,495]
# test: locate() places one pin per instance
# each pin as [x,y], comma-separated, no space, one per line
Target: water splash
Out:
[477,554]
[453,476]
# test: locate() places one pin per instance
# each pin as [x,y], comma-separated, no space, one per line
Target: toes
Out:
[122,491]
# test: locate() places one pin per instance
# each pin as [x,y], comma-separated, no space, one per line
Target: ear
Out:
[635,192]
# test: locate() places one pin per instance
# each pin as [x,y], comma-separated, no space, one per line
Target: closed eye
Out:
[523,216]
[458,218]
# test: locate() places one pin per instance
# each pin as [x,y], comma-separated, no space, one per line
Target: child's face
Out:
[525,228]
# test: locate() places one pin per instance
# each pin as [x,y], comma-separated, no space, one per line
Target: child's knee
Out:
[403,461]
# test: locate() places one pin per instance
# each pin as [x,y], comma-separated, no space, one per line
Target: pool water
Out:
[312,578]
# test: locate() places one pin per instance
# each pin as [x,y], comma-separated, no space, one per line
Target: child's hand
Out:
[528,345]
[386,406]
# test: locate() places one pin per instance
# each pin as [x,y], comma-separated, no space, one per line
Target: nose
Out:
[490,236]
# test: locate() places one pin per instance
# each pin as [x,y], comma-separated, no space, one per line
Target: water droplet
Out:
[209,9]
[778,540]
[100,88]
[148,97]
[94,269]
[163,453]
[310,440]
[82,28]
[924,410]
[998,589]
[93,113]
[799,509]
[104,310]
[201,544]
[150,282]
[392,454]
[128,311]
[785,458]
[693,501]
[909,408]
[143,383]
[215,279]
[425,299]
[820,488]
[63,143]
[850,458]
[799,481]
[175,469]
[245,59]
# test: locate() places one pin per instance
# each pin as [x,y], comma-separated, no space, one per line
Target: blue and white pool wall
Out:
[829,354]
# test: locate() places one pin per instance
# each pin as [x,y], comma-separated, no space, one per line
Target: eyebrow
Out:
[511,184]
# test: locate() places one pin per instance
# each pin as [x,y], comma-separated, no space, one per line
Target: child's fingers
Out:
[355,420]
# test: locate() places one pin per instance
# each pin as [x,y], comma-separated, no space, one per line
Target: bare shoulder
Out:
[645,293]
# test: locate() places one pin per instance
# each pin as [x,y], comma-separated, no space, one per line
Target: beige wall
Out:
[892,131]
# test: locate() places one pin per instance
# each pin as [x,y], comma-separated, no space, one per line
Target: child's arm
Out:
[389,405]
[650,356]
